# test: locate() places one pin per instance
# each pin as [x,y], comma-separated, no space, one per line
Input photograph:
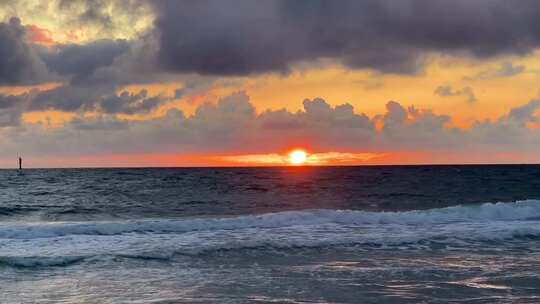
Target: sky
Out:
[96,83]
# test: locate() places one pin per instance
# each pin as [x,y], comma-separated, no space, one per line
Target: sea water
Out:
[412,234]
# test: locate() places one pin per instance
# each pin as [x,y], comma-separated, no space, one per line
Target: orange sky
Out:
[181,160]
[494,94]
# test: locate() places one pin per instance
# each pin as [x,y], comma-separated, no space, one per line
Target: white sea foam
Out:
[472,227]
[522,210]
[74,249]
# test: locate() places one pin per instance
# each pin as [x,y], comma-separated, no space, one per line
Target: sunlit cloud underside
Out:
[323,158]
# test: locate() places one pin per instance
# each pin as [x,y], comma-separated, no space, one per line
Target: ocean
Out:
[382,234]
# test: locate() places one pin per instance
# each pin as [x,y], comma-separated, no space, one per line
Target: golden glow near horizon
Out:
[298,157]
[301,157]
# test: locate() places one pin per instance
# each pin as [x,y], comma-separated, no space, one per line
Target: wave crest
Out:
[521,210]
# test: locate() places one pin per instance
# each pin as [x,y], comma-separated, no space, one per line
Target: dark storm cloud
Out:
[19,63]
[244,37]
[81,61]
[209,37]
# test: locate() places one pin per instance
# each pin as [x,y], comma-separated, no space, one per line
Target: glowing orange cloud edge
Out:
[321,158]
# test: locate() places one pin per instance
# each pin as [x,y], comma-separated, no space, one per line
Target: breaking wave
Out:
[478,227]
[521,210]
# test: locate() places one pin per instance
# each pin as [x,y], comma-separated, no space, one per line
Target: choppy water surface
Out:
[431,234]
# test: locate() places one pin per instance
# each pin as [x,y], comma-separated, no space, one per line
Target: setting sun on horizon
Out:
[298,157]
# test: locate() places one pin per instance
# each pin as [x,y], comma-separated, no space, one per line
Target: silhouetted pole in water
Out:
[20,163]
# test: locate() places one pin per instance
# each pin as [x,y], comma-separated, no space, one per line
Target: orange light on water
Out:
[298,157]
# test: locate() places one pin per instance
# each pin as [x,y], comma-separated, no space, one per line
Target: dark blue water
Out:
[432,234]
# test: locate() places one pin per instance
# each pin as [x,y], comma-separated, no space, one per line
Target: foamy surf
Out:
[472,227]
[521,210]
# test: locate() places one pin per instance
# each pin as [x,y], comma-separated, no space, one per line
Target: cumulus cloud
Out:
[448,91]
[524,114]
[232,125]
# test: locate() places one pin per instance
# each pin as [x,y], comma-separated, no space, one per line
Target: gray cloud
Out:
[81,61]
[8,101]
[11,109]
[120,62]
[19,62]
[232,125]
[128,103]
[95,72]
[71,98]
[99,123]
[215,38]
[246,37]
[524,114]
[10,118]
[23,63]
[448,91]
[506,69]
[74,98]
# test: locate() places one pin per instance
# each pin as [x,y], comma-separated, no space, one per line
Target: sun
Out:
[297,157]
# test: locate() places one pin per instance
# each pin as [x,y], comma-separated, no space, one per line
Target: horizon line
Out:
[277,166]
